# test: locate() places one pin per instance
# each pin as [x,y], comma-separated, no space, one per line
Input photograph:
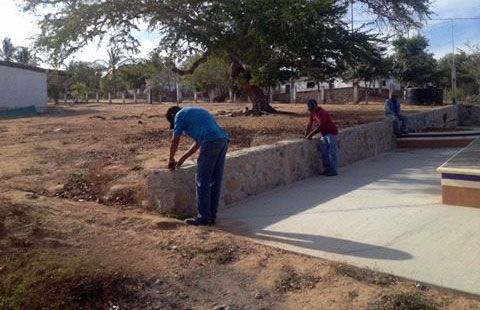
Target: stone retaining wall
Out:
[439,118]
[259,169]
[469,115]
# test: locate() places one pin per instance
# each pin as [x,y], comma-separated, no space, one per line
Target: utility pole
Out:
[454,69]
[351,11]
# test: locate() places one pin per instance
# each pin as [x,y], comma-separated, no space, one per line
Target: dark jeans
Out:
[399,123]
[210,165]
[329,149]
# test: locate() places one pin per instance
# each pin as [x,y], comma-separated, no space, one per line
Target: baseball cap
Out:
[171,115]
[312,104]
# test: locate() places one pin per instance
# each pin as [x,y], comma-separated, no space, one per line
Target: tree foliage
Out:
[472,64]
[80,91]
[25,56]
[259,37]
[8,50]
[86,73]
[412,63]
[212,76]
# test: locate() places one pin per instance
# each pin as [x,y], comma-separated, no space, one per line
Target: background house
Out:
[22,86]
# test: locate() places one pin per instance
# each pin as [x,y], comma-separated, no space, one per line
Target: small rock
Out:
[420,286]
[2,268]
[58,130]
[258,295]
[31,195]
[56,242]
[353,294]
[81,200]
[221,307]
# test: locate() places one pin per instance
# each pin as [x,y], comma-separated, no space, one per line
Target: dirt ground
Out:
[100,152]
[73,233]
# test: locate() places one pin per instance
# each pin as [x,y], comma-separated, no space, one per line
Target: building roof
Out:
[21,66]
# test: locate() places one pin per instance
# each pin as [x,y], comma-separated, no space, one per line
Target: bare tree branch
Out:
[194,66]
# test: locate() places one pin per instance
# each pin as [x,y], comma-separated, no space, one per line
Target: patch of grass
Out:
[404,301]
[365,275]
[37,281]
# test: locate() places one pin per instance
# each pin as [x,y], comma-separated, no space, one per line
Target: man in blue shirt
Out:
[392,111]
[212,141]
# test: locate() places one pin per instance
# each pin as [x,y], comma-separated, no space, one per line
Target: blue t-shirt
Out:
[198,124]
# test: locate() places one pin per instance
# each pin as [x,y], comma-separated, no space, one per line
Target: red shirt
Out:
[322,119]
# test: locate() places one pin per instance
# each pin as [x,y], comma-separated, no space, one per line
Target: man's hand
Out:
[171,164]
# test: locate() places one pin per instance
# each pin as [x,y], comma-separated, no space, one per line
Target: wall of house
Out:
[22,88]
[259,169]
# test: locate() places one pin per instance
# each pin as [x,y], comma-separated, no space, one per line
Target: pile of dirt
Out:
[86,185]
[290,281]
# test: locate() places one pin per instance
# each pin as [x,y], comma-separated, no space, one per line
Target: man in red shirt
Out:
[320,122]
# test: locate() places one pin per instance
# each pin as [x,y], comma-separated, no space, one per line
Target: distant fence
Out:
[336,95]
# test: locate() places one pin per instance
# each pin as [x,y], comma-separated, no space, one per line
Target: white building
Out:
[304,84]
[22,86]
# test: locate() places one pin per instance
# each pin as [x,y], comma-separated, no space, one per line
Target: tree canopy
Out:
[258,36]
[412,63]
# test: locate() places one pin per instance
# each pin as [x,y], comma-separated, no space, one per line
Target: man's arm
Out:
[187,154]
[309,128]
[314,132]
[173,149]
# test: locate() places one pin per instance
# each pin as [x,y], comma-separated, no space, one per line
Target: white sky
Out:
[21,27]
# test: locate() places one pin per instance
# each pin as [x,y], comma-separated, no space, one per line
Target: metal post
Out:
[179,92]
[109,97]
[351,9]
[135,97]
[123,97]
[65,98]
[97,97]
[149,96]
[454,70]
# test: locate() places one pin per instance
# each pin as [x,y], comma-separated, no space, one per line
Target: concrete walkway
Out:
[383,213]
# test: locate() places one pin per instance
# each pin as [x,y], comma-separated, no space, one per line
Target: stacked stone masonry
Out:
[259,169]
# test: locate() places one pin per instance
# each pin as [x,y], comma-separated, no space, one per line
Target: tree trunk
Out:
[239,71]
[367,90]
[258,98]
[355,92]
[319,95]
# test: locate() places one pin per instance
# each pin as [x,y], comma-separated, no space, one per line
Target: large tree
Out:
[116,58]
[86,73]
[472,64]
[256,35]
[413,64]
[25,56]
[466,85]
[8,50]
[211,76]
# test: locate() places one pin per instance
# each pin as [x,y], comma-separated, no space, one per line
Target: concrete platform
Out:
[384,214]
[461,177]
